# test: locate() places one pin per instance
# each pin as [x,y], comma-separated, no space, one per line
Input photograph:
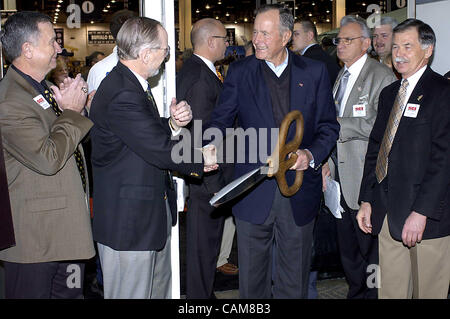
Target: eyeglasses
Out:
[346,41]
[225,38]
[166,50]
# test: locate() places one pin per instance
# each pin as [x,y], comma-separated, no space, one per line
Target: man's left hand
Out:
[304,157]
[180,113]
[413,229]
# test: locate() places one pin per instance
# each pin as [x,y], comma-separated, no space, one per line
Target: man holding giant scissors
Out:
[275,232]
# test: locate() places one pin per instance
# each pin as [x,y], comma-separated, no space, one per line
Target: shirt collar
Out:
[356,67]
[413,79]
[38,86]
[278,70]
[141,80]
[208,63]
[304,50]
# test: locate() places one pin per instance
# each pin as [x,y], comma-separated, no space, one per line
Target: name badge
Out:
[359,110]
[41,101]
[411,110]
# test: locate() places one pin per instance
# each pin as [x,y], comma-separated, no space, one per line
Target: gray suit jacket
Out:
[49,207]
[355,130]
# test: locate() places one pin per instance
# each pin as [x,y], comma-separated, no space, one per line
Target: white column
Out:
[411,10]
[163,89]
[338,12]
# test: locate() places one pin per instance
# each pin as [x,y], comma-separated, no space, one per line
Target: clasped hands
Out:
[72,94]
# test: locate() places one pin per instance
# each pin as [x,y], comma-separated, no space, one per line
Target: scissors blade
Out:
[238,186]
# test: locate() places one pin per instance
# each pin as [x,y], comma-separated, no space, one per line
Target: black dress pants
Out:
[357,251]
[204,228]
[47,280]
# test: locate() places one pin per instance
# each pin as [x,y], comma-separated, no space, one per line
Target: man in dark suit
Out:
[199,84]
[304,42]
[260,90]
[405,189]
[134,200]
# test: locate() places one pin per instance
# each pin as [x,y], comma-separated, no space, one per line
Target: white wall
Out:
[76,40]
[436,14]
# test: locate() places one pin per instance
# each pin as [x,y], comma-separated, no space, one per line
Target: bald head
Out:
[208,37]
[203,29]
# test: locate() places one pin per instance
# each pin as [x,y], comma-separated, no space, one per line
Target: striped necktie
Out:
[219,75]
[78,157]
[389,134]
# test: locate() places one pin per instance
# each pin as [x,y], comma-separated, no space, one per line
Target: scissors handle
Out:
[278,158]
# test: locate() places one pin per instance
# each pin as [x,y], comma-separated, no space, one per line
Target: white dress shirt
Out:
[278,70]
[209,64]
[412,82]
[354,70]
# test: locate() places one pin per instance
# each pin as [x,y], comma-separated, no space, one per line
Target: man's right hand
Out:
[210,158]
[72,94]
[363,217]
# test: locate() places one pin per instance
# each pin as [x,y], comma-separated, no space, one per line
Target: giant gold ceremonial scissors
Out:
[282,159]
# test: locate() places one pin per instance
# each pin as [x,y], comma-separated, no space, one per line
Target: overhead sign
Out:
[100,37]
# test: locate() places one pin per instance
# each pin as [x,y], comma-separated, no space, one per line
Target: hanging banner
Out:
[100,37]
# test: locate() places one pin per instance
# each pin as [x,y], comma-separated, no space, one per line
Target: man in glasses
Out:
[134,196]
[356,94]
[200,85]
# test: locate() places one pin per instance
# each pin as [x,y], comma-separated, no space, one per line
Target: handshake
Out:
[209,158]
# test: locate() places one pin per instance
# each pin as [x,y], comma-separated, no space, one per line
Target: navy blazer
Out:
[131,148]
[418,176]
[246,96]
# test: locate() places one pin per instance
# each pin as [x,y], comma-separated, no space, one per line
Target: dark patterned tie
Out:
[78,157]
[389,135]
[219,75]
[151,98]
[167,173]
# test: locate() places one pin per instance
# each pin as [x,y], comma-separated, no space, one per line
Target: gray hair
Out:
[362,24]
[388,21]
[427,37]
[20,28]
[286,17]
[137,34]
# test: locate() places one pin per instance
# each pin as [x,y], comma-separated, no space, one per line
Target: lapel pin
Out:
[300,84]
[420,97]
[359,89]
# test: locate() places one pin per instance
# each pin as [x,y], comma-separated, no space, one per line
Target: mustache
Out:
[400,60]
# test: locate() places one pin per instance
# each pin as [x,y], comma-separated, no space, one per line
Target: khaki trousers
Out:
[420,272]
